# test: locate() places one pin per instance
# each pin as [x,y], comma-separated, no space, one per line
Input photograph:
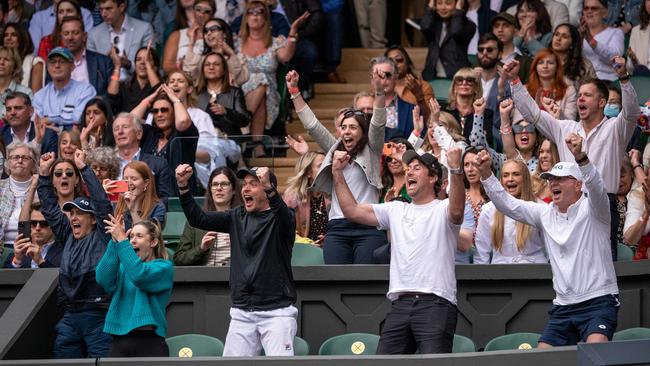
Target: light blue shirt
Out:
[65,106]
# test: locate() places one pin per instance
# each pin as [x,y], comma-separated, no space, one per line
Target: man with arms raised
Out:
[575,227]
[424,235]
[262,233]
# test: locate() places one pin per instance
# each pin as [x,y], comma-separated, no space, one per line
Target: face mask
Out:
[612,110]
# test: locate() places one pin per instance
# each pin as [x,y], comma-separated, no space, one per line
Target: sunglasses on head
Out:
[257,11]
[468,80]
[68,173]
[41,223]
[160,110]
[352,113]
[201,10]
[213,28]
[519,128]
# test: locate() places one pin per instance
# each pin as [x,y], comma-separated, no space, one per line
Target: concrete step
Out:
[348,88]
[359,58]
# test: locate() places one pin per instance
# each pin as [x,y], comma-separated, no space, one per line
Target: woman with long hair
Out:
[10,75]
[210,248]
[638,62]
[138,275]
[66,180]
[393,171]
[474,193]
[17,37]
[363,139]
[96,125]
[443,133]
[140,202]
[217,38]
[465,89]
[181,40]
[410,87]
[547,157]
[62,9]
[534,26]
[311,207]
[263,54]
[567,44]
[507,240]
[546,80]
[600,43]
[124,96]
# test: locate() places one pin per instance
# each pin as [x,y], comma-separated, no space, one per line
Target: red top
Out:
[46,46]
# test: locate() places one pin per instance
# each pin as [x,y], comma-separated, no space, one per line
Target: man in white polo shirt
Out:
[575,227]
[424,236]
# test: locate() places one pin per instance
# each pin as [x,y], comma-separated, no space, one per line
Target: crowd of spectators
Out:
[99,107]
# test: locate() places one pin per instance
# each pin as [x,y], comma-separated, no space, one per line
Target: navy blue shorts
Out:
[570,324]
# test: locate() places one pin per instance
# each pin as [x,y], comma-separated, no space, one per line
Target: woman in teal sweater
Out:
[139,276]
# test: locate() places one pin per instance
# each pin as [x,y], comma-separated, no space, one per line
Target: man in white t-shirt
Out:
[424,235]
[575,227]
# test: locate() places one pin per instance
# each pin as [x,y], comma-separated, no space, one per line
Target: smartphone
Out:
[25,228]
[389,149]
[121,186]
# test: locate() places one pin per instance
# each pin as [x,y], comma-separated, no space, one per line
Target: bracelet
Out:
[294,96]
[515,81]
[176,101]
[637,166]
[505,130]
[294,90]
[456,171]
[624,78]
[379,94]
[184,188]
[115,77]
[582,159]
[293,39]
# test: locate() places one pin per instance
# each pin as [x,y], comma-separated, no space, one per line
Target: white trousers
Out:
[250,331]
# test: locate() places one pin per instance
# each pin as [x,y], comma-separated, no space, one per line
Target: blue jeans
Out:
[81,335]
[332,40]
[350,243]
[303,62]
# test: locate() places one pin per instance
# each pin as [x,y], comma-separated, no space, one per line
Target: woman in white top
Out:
[600,42]
[507,240]
[638,62]
[16,36]
[177,45]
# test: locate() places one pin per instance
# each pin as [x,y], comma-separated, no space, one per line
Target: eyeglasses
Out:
[68,173]
[398,59]
[486,49]
[202,10]
[387,75]
[592,8]
[214,28]
[519,128]
[98,168]
[257,11]
[16,158]
[160,110]
[116,41]
[222,185]
[468,80]
[389,159]
[41,223]
[58,62]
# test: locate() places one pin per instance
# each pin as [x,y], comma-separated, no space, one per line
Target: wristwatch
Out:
[457,171]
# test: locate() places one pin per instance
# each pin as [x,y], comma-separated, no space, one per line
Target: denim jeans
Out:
[332,40]
[81,335]
[350,243]
[303,62]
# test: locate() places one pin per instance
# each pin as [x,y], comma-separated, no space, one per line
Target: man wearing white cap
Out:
[575,227]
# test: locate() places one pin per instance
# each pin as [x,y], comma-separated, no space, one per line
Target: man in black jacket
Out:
[41,250]
[262,233]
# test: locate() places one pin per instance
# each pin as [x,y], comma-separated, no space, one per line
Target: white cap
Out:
[563,169]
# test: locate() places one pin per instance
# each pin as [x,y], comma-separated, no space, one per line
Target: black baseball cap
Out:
[82,203]
[426,159]
[509,18]
[243,172]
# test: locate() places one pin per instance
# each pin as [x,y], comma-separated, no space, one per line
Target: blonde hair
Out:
[192,100]
[539,183]
[464,72]
[522,231]
[153,226]
[12,53]
[450,123]
[299,183]
[244,31]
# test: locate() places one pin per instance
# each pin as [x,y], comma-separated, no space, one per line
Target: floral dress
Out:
[262,71]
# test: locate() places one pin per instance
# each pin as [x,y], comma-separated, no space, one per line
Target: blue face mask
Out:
[612,110]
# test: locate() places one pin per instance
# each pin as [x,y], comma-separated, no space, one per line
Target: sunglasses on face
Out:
[486,49]
[41,223]
[468,80]
[201,10]
[398,59]
[160,110]
[519,128]
[68,173]
[387,75]
[213,28]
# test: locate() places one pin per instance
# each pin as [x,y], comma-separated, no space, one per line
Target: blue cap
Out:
[61,51]
[82,203]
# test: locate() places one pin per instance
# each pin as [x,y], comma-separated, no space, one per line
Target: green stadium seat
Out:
[513,341]
[625,253]
[351,344]
[441,89]
[174,204]
[174,225]
[473,60]
[6,252]
[170,253]
[642,87]
[632,334]
[306,255]
[463,344]
[194,345]
[300,347]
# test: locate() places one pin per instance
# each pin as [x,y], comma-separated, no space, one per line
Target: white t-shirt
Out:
[423,245]
[472,48]
[361,190]
[533,251]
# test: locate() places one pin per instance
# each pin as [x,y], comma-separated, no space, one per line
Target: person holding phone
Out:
[35,246]
[140,201]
